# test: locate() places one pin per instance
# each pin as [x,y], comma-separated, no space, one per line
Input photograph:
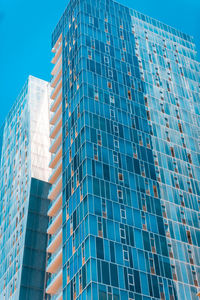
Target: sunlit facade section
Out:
[24,190]
[54,248]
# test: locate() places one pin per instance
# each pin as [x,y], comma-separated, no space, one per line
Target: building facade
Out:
[126,172]
[24,192]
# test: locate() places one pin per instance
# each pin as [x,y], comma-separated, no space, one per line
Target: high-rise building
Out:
[125,157]
[24,192]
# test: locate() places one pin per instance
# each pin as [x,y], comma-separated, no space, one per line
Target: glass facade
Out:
[32,284]
[24,193]
[130,156]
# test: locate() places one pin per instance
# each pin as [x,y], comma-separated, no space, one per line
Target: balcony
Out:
[54,241]
[56,76]
[57,296]
[55,205]
[57,142]
[55,157]
[56,172]
[56,114]
[56,102]
[57,66]
[56,89]
[55,223]
[55,188]
[57,54]
[56,127]
[54,283]
[55,261]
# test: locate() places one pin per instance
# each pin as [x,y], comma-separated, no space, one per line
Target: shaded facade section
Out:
[34,260]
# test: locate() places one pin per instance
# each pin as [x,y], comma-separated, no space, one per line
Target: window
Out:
[80,282]
[129,70]
[170,250]
[129,95]
[99,138]
[116,129]
[132,84]
[122,56]
[140,140]
[194,276]
[189,187]
[95,153]
[83,253]
[112,113]
[152,241]
[116,143]
[120,176]
[189,237]
[143,220]
[109,85]
[108,39]
[155,191]
[106,59]
[120,194]
[144,203]
[183,142]
[93,44]
[91,20]
[124,46]
[125,254]
[151,265]
[174,272]
[123,213]
[106,17]
[122,233]
[89,54]
[77,177]
[130,279]
[172,151]
[110,73]
[71,225]
[106,27]
[134,151]
[96,95]
[100,230]
[142,168]
[107,49]
[112,99]
[104,208]
[189,158]
[73,242]
[81,192]
[115,158]
[180,128]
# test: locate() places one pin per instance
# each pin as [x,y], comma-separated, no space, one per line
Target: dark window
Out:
[99,247]
[114,275]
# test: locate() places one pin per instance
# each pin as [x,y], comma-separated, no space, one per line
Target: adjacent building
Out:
[125,145]
[24,192]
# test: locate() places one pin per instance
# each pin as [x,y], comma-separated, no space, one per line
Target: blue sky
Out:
[26,27]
